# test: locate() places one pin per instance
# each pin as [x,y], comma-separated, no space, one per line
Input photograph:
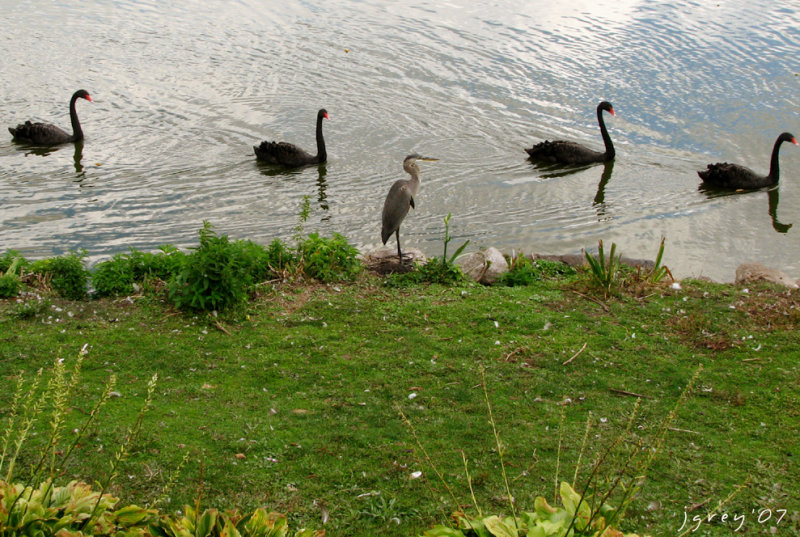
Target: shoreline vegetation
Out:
[290,380]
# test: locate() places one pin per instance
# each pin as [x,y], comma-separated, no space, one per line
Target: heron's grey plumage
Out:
[400,199]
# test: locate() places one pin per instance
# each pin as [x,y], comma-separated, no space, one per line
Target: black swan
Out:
[563,152]
[736,177]
[288,154]
[399,199]
[46,134]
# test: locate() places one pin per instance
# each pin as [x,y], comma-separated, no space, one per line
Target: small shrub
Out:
[213,277]
[66,274]
[442,271]
[113,277]
[525,271]
[118,275]
[328,259]
[279,257]
[10,258]
[10,284]
[256,261]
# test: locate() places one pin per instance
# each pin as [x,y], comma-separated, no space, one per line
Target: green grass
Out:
[291,405]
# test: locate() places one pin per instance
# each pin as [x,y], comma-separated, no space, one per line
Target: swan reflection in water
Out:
[77,157]
[322,184]
[773,198]
[599,202]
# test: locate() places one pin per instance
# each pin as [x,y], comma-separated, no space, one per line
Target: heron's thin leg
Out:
[399,254]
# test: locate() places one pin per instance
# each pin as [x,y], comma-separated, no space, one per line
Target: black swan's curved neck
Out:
[322,155]
[610,152]
[77,132]
[774,167]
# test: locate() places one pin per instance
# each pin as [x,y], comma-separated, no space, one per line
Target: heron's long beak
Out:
[431,159]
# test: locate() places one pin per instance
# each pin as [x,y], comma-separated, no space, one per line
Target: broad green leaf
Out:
[443,531]
[536,531]
[229,530]
[205,523]
[498,528]
[569,497]
[131,515]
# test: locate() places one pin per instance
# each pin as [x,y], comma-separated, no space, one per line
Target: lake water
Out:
[182,91]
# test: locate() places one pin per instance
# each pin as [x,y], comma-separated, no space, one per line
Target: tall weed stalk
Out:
[124,448]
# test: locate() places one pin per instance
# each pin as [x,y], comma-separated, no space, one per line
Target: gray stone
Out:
[485,266]
[756,272]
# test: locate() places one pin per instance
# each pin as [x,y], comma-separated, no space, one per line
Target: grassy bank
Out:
[293,402]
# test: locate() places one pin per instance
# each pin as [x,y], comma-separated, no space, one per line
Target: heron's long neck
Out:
[413,183]
[606,138]
[774,168]
[77,132]
[322,155]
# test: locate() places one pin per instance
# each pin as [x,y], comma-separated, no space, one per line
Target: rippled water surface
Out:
[182,92]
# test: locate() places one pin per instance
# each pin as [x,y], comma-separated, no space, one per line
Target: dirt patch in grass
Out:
[774,309]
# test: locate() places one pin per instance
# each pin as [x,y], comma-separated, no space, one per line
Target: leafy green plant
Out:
[259,263]
[10,283]
[47,510]
[328,259]
[604,269]
[76,509]
[525,271]
[118,275]
[217,275]
[280,258]
[11,256]
[576,512]
[66,274]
